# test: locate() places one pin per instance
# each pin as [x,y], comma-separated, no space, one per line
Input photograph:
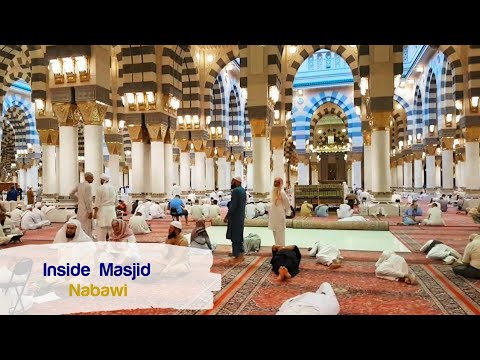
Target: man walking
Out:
[83,193]
[105,200]
[236,218]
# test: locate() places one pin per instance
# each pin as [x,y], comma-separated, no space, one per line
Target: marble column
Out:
[418,172]
[380,158]
[239,169]
[228,173]
[210,174]
[32,177]
[314,174]
[57,166]
[357,174]
[157,167]
[438,173]
[400,173]
[261,164]
[367,166]
[278,164]
[393,173]
[430,167]
[222,172]
[250,174]
[303,174]
[168,160]
[114,167]
[68,164]
[22,180]
[471,166]
[447,163]
[462,173]
[49,171]
[185,171]
[176,171]
[200,173]
[407,172]
[138,167]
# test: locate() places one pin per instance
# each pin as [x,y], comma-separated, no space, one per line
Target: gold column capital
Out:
[259,127]
[67,114]
[431,149]
[393,163]
[380,120]
[447,143]
[198,145]
[115,148]
[438,162]
[367,138]
[238,156]
[356,156]
[157,132]
[92,112]
[471,133]
[49,137]
[408,158]
[183,145]
[417,155]
[136,133]
[400,161]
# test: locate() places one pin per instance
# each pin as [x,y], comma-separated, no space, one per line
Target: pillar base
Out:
[137,196]
[382,196]
[260,196]
[49,197]
[469,192]
[156,196]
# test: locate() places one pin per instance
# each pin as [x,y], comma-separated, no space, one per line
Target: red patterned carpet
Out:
[250,287]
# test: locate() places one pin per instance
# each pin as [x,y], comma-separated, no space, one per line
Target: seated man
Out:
[205,204]
[192,197]
[365,197]
[177,209]
[138,224]
[344,211]
[326,254]
[409,215]
[391,266]
[475,214]
[197,211]
[4,239]
[437,250]
[39,215]
[352,199]
[396,198]
[353,218]
[9,227]
[321,210]
[143,209]
[16,216]
[156,211]
[29,221]
[261,208]
[470,265]
[214,210]
[71,231]
[175,236]
[285,261]
[251,211]
[434,216]
[322,302]
[443,203]
[122,207]
[306,209]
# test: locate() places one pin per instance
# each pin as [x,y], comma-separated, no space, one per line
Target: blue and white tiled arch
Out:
[303,116]
[408,109]
[29,134]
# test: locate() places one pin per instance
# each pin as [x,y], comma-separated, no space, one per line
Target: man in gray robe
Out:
[236,218]
[83,193]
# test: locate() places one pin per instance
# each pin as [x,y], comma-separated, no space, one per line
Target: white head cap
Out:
[176,224]
[29,207]
[238,178]
[38,205]
[104,177]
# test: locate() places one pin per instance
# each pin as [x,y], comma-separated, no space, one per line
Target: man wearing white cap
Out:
[28,221]
[39,215]
[16,215]
[71,231]
[176,190]
[104,208]
[236,218]
[175,236]
[83,192]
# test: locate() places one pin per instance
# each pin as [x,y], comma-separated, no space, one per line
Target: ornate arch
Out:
[29,133]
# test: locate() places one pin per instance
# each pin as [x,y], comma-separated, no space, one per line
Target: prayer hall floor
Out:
[250,287]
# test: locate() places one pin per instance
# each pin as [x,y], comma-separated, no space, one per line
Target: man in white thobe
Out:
[83,193]
[156,211]
[391,266]
[197,211]
[214,210]
[261,207]
[104,208]
[39,215]
[28,221]
[213,196]
[321,302]
[251,211]
[16,216]
[326,254]
[344,211]
[437,250]
[192,197]
[138,224]
[176,190]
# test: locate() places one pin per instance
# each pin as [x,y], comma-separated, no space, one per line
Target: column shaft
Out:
[68,160]
[185,171]
[200,171]
[93,135]
[380,160]
[158,167]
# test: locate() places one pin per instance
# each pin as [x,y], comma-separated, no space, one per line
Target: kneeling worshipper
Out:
[326,254]
[261,207]
[29,221]
[353,218]
[469,267]
[122,207]
[285,261]
[321,302]
[121,231]
[40,215]
[434,216]
[344,211]
[214,210]
[156,211]
[321,210]
[306,209]
[391,266]
[396,198]
[16,215]
[199,237]
[251,211]
[71,231]
[143,209]
[9,227]
[409,215]
[437,250]
[197,211]
[138,224]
